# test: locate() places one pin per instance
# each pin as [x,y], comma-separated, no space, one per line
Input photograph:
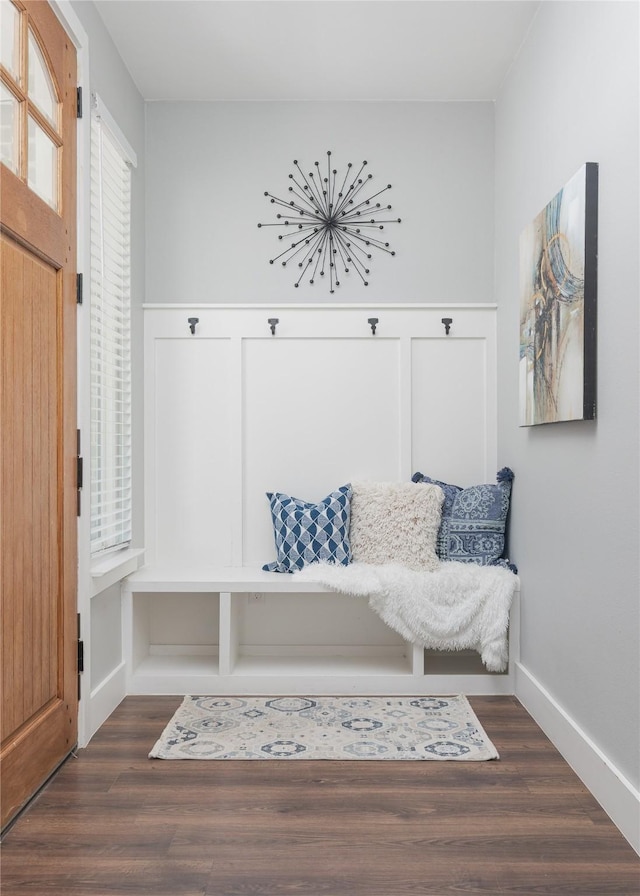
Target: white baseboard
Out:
[103,700]
[617,796]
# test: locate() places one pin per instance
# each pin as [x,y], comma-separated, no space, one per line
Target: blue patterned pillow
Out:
[305,533]
[474,521]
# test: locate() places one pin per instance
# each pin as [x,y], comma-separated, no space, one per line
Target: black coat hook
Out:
[373,322]
[192,323]
[447,321]
[273,321]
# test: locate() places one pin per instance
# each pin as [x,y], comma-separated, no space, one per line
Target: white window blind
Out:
[110,339]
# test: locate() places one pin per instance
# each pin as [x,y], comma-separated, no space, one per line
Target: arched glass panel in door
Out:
[30,108]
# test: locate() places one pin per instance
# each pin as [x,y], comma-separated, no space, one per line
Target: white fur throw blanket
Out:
[456,607]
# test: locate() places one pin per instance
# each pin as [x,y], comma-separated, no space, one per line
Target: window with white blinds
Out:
[110,337]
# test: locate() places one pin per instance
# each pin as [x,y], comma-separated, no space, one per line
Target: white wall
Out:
[572,97]
[209,164]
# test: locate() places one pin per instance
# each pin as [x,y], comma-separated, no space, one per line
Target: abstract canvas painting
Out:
[558,290]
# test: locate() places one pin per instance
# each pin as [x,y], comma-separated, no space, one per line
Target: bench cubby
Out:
[174,634]
[258,632]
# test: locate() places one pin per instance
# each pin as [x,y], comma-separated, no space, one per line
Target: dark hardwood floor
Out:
[114,822]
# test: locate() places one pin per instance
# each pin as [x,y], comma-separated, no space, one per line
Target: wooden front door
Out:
[38,531]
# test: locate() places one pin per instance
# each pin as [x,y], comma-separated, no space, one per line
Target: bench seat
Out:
[237,603]
[231,579]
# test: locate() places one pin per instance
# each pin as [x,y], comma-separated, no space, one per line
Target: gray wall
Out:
[111,79]
[570,98]
[209,164]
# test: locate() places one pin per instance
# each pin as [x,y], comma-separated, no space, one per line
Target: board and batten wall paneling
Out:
[233,412]
[106,633]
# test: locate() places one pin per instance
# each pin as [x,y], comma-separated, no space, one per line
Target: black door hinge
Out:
[79,289]
[79,102]
[80,656]
[79,472]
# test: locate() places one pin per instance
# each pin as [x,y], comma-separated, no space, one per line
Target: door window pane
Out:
[43,165]
[41,89]
[10,38]
[9,142]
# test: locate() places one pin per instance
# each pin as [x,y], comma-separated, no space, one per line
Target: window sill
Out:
[107,571]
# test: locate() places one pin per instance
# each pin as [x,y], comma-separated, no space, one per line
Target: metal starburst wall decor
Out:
[333,227]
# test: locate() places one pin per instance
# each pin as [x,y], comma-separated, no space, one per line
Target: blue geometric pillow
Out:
[305,533]
[474,521]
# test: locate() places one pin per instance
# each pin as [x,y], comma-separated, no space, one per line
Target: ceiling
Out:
[438,50]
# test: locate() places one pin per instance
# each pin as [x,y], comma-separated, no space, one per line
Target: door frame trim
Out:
[69,20]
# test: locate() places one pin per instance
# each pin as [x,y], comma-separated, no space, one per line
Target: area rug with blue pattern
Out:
[324,728]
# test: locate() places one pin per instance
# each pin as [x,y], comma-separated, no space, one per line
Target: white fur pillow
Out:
[396,522]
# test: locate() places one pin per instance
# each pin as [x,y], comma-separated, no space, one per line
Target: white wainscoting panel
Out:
[190,452]
[233,412]
[317,413]
[449,388]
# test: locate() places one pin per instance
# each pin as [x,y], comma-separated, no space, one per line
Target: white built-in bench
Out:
[266,632]
[232,412]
